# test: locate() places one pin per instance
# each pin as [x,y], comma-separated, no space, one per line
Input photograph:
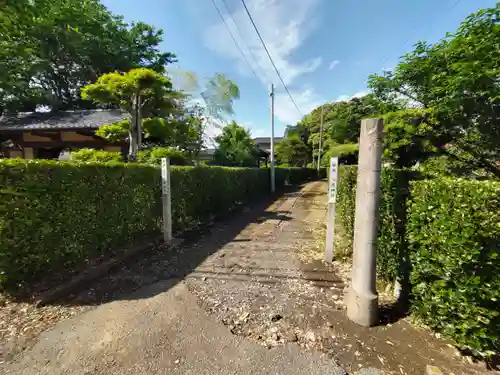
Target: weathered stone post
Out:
[362,298]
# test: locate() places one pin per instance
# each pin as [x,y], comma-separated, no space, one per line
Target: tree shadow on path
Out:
[163,263]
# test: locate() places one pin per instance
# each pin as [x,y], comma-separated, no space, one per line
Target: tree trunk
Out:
[134,132]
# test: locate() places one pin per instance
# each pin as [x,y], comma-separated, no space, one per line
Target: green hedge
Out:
[155,154]
[295,175]
[454,235]
[93,155]
[451,230]
[390,239]
[56,215]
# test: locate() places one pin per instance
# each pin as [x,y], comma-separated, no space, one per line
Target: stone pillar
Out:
[362,298]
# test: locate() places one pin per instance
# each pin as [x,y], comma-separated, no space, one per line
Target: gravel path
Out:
[260,273]
[270,284]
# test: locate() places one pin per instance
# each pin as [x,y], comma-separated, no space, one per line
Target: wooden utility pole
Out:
[273,182]
[166,199]
[313,158]
[362,298]
[320,141]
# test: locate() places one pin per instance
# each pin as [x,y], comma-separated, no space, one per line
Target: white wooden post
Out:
[166,199]
[332,199]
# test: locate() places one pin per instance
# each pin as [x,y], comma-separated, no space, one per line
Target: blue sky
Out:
[324,49]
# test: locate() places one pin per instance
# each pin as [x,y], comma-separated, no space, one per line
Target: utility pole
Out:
[313,158]
[320,140]
[273,184]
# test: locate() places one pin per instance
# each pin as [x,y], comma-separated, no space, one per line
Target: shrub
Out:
[92,155]
[204,192]
[294,175]
[154,156]
[56,215]
[454,236]
[390,239]
[115,133]
[63,213]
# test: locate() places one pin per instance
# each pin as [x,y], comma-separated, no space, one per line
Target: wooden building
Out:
[45,135]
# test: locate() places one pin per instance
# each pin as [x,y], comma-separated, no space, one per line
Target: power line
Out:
[270,58]
[241,38]
[234,39]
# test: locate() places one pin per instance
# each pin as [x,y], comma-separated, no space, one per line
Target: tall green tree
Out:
[49,49]
[142,93]
[342,123]
[235,146]
[293,151]
[214,96]
[457,83]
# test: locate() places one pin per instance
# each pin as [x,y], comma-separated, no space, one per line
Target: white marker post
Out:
[332,199]
[166,199]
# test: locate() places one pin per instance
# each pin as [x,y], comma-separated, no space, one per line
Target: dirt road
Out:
[242,299]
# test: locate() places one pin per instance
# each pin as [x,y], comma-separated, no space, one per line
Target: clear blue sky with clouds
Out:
[324,49]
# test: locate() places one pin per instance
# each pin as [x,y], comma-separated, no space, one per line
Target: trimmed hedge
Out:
[390,239]
[155,154]
[93,155]
[56,215]
[295,175]
[451,230]
[454,236]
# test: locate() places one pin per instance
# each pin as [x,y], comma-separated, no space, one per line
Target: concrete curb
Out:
[101,269]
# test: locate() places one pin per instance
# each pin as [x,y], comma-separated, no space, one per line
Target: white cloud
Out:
[333,64]
[306,100]
[284,26]
[344,98]
[260,132]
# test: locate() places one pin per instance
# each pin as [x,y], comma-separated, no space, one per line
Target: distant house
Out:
[207,154]
[264,143]
[48,135]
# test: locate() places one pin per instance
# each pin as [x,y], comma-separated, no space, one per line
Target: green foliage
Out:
[409,136]
[347,153]
[142,93]
[114,133]
[345,149]
[123,90]
[451,228]
[342,123]
[235,146]
[154,156]
[292,151]
[50,49]
[70,212]
[345,207]
[219,95]
[294,175]
[454,236]
[157,130]
[455,163]
[390,238]
[456,80]
[92,155]
[57,215]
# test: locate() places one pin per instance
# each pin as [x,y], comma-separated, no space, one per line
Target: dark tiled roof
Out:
[83,119]
[208,151]
[267,139]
